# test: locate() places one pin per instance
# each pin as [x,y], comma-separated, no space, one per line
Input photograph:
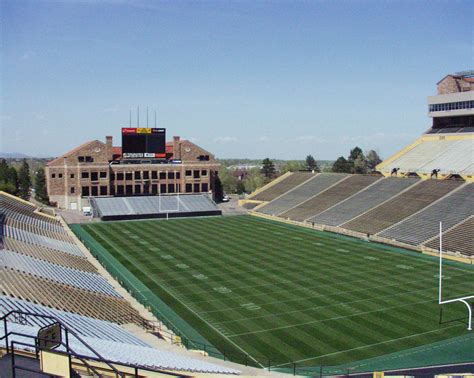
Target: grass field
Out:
[287,293]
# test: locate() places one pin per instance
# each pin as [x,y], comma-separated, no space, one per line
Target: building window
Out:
[138,189]
[94,176]
[204,172]
[196,188]
[129,190]
[189,173]
[85,175]
[72,175]
[112,175]
[103,175]
[94,191]
[85,191]
[204,187]
[89,159]
[162,175]
[60,175]
[196,174]
[163,189]
[170,188]
[189,188]
[73,190]
[178,175]
[112,190]
[146,189]
[120,176]
[103,190]
[154,189]
[120,190]
[53,175]
[170,175]
[138,175]
[81,159]
[146,175]
[154,175]
[128,176]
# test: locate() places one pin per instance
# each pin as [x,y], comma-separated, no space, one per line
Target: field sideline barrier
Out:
[191,339]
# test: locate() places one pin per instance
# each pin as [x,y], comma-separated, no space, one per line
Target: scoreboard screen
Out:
[143,142]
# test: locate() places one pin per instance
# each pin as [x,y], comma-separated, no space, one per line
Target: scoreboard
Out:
[143,142]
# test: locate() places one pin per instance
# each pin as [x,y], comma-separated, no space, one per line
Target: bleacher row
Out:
[53,277]
[401,210]
[109,208]
[446,156]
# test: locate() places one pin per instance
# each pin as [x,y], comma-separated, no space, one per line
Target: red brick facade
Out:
[90,170]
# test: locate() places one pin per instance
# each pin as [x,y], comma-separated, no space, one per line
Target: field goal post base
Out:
[440,292]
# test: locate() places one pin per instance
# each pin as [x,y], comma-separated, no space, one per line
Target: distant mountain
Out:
[13,155]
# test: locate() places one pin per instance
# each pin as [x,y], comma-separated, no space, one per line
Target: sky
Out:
[242,79]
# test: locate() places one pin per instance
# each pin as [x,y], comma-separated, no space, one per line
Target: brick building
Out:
[97,169]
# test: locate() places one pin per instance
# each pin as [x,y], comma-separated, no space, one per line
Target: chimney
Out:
[176,149]
[108,147]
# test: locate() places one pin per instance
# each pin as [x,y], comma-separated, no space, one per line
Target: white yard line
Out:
[325,306]
[328,319]
[194,312]
[370,345]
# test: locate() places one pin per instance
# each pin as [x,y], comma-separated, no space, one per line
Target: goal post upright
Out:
[440,292]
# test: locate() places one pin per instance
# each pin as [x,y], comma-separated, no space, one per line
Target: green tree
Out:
[24,180]
[373,159]
[8,178]
[268,169]
[253,181]
[341,165]
[228,180]
[311,164]
[293,166]
[40,186]
[355,153]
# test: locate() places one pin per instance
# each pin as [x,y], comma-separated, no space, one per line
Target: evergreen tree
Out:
[341,165]
[8,178]
[354,154]
[218,190]
[311,164]
[24,181]
[268,169]
[40,186]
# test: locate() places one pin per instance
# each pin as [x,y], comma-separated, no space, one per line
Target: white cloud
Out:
[225,139]
[308,139]
[264,139]
[113,109]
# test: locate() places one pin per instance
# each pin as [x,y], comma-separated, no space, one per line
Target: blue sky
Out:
[242,79]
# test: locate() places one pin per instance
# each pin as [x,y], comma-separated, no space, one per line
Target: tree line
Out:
[19,181]
[357,162]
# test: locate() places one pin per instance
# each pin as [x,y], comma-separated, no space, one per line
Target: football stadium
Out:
[326,274]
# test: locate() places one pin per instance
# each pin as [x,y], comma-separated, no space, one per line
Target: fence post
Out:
[294,368]
[246,359]
[320,371]
[6,333]
[269,365]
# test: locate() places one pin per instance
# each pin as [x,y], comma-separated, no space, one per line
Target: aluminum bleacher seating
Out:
[126,353]
[282,186]
[454,159]
[363,201]
[424,225]
[44,241]
[80,279]
[301,193]
[329,197]
[50,255]
[458,239]
[398,208]
[82,325]
[110,207]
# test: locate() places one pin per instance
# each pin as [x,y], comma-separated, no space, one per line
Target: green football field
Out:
[282,293]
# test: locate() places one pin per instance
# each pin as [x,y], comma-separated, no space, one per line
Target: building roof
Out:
[74,150]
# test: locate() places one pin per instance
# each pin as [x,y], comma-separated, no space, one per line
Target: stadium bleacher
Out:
[329,197]
[41,272]
[451,209]
[301,193]
[113,208]
[398,208]
[280,187]
[458,239]
[366,199]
